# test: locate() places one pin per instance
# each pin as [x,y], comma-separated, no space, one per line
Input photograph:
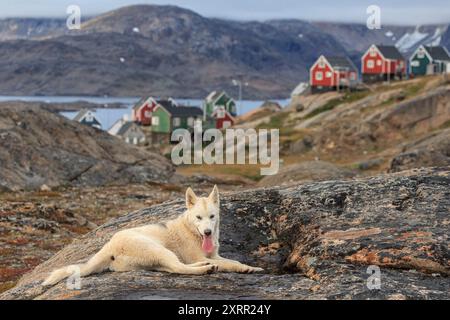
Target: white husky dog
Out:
[188,244]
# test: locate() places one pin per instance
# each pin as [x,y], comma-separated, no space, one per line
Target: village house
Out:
[382,63]
[331,73]
[222,118]
[128,131]
[429,60]
[87,117]
[220,110]
[142,111]
[167,116]
[114,129]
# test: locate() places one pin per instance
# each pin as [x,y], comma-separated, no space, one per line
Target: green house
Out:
[168,116]
[217,100]
[429,60]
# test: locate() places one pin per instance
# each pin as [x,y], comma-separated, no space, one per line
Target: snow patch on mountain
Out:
[409,40]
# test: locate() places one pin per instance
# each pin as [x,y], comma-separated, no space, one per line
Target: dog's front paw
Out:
[212,268]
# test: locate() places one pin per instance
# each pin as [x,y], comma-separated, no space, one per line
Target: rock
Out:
[45,187]
[307,171]
[301,146]
[48,149]
[315,240]
[431,151]
[370,164]
[415,116]
[267,109]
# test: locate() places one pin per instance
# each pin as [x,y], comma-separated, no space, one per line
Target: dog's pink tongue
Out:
[207,245]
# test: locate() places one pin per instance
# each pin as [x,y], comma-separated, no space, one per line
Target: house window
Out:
[226,124]
[328,74]
[319,75]
[370,64]
[89,117]
[220,113]
[155,121]
[378,62]
[176,122]
[321,64]
[421,54]
[190,121]
[373,53]
[415,63]
[147,114]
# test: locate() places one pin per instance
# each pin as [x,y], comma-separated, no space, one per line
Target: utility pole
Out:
[239,84]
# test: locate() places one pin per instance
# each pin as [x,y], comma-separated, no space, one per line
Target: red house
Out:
[330,73]
[223,118]
[142,111]
[382,63]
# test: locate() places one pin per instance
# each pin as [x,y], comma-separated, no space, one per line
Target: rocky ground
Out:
[315,241]
[36,224]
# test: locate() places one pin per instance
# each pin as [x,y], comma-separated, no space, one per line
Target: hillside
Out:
[39,148]
[315,241]
[384,128]
[170,51]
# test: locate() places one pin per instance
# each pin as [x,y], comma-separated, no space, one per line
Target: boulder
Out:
[320,240]
[307,171]
[430,151]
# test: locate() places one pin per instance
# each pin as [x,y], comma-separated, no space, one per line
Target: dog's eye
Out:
[199,218]
[212,216]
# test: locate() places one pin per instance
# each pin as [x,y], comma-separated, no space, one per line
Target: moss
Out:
[331,104]
[276,122]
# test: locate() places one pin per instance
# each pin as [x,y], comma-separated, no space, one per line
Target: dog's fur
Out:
[174,246]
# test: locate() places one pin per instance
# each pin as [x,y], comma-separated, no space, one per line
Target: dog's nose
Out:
[207,232]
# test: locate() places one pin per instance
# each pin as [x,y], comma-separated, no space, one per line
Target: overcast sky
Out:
[408,12]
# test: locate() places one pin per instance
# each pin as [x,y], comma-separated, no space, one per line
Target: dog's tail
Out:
[98,263]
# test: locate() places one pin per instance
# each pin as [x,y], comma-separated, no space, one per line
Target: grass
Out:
[250,171]
[445,125]
[4,286]
[275,122]
[333,103]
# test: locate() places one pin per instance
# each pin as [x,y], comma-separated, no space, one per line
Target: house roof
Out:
[81,114]
[140,102]
[213,96]
[183,111]
[125,127]
[167,103]
[340,62]
[438,53]
[226,112]
[390,52]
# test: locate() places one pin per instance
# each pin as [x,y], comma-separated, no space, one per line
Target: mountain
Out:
[170,51]
[29,28]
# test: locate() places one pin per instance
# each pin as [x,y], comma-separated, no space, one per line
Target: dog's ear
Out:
[214,196]
[191,198]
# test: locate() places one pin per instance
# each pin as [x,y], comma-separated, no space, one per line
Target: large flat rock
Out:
[315,240]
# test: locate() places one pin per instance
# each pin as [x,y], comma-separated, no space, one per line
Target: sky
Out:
[402,12]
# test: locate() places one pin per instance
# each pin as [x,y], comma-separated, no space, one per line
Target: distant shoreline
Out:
[67,106]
